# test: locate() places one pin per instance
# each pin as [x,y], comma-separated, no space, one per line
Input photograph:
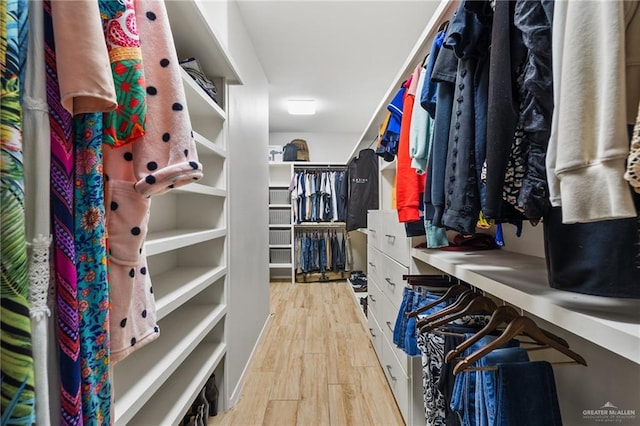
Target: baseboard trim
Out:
[237,392]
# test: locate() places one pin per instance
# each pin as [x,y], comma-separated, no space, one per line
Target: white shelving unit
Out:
[187,251]
[280,222]
[281,264]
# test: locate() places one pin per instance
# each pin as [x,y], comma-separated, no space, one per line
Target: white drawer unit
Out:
[388,257]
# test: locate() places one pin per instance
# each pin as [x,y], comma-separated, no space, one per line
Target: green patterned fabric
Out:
[17,386]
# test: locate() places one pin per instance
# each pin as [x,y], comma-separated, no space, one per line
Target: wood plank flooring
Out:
[315,365]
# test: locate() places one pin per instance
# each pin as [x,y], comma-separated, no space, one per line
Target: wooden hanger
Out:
[503,314]
[463,299]
[451,292]
[518,326]
[477,305]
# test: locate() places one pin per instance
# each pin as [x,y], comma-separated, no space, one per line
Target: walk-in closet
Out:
[307,212]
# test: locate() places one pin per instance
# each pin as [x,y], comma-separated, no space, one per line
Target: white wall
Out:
[248,124]
[323,147]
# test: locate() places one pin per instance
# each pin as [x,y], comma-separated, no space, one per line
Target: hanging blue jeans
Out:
[322,252]
[401,319]
[410,337]
[486,382]
[464,399]
[527,395]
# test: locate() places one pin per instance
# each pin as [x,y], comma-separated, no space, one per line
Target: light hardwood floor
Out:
[315,365]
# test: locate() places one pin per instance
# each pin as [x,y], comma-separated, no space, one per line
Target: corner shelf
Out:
[521,280]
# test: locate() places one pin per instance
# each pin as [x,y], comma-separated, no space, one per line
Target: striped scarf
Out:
[62,177]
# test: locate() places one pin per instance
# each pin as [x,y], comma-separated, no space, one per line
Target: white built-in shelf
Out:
[280,265]
[161,242]
[521,280]
[198,188]
[146,370]
[197,99]
[178,285]
[280,206]
[194,37]
[206,146]
[171,402]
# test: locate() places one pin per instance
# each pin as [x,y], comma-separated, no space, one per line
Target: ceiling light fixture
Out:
[301,106]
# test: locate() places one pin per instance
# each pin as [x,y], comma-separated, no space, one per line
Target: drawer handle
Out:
[389,325]
[371,230]
[372,299]
[391,283]
[390,236]
[371,332]
[390,374]
[373,265]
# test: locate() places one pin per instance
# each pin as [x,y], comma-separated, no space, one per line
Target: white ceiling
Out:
[344,54]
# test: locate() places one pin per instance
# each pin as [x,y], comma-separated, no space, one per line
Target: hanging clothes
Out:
[410,186]
[87,95]
[18,398]
[320,251]
[314,196]
[62,178]
[589,144]
[124,125]
[360,188]
[468,36]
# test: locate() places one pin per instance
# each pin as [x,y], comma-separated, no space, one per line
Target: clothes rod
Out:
[319,167]
[308,225]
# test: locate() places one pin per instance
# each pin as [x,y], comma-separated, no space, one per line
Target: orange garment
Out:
[409,184]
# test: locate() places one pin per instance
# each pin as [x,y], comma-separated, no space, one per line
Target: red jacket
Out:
[409,185]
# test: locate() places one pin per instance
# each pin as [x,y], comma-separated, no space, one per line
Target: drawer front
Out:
[373,228]
[373,262]
[376,299]
[375,334]
[389,280]
[398,381]
[393,238]
[387,322]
